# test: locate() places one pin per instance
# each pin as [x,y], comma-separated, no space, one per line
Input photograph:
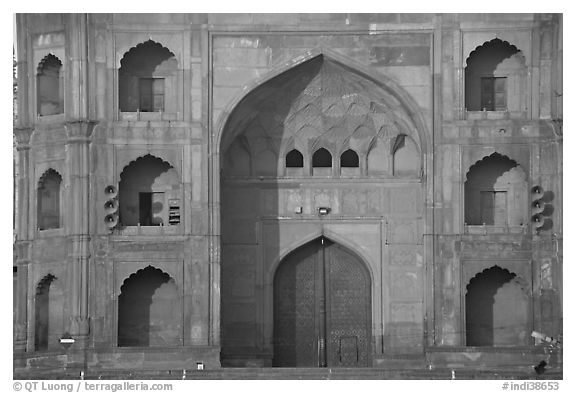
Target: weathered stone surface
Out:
[400,56]
[247,89]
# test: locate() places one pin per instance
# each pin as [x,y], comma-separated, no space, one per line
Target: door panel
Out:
[348,318]
[322,308]
[295,309]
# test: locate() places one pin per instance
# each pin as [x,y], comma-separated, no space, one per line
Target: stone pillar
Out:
[22,241]
[78,131]
[23,104]
[77,93]
[77,202]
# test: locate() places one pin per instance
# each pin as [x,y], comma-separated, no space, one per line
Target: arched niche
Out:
[497,309]
[148,79]
[313,92]
[48,314]
[495,193]
[378,159]
[322,162]
[146,187]
[50,86]
[349,163]
[405,157]
[495,78]
[344,312]
[149,310]
[49,200]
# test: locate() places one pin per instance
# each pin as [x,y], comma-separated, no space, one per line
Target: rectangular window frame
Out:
[151,94]
[493,93]
[499,207]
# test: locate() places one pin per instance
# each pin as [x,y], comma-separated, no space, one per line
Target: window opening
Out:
[349,159]
[294,159]
[49,87]
[48,200]
[322,159]
[151,94]
[493,207]
[150,205]
[493,93]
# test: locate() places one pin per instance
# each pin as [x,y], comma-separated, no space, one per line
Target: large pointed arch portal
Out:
[322,308]
[283,160]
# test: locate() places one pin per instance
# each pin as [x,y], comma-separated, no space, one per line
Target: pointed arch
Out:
[345,310]
[495,77]
[48,313]
[495,192]
[497,309]
[349,159]
[149,310]
[146,77]
[397,97]
[322,158]
[294,159]
[50,86]
[48,200]
[145,186]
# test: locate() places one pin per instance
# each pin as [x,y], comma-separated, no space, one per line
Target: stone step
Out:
[298,373]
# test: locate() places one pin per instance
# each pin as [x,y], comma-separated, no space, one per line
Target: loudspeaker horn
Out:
[111,220]
[111,191]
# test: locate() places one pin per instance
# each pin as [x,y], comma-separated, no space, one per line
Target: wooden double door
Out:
[322,308]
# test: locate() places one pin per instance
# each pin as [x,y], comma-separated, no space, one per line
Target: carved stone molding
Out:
[79,325]
[79,131]
[23,138]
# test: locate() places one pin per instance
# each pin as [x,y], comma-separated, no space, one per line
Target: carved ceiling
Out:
[318,103]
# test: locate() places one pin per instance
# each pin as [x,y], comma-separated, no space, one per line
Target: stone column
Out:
[78,207]
[22,242]
[23,104]
[77,93]
[79,131]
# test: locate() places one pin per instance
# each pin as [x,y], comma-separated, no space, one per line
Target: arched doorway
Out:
[49,313]
[282,178]
[149,310]
[497,309]
[322,308]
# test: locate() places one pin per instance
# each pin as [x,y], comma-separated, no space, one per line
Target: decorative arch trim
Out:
[407,102]
[139,46]
[47,172]
[524,285]
[520,39]
[330,235]
[140,271]
[139,159]
[48,278]
[486,159]
[42,62]
[496,40]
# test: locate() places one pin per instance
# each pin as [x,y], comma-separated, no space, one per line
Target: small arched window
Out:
[494,77]
[294,159]
[48,200]
[49,314]
[146,77]
[349,159]
[147,185]
[49,86]
[495,192]
[146,310]
[322,159]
